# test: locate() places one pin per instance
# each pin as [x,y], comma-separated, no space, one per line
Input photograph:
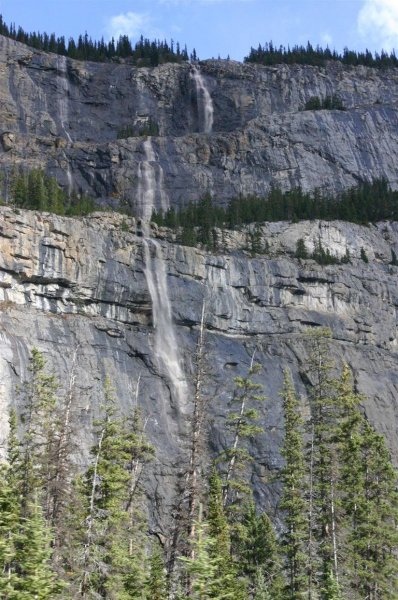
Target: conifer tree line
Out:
[369,202]
[34,190]
[70,534]
[270,54]
[145,53]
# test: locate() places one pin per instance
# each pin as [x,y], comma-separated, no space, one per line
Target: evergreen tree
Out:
[217,521]
[323,532]
[25,539]
[10,510]
[39,433]
[242,424]
[376,539]
[156,583]
[209,581]
[292,502]
[36,578]
[258,553]
[331,589]
[113,536]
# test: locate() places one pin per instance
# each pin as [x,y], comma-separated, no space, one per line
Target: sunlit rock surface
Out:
[81,285]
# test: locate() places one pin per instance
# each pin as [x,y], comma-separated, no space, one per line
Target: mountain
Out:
[217,126]
[130,305]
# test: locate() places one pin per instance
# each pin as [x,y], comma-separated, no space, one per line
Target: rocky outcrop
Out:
[87,285]
[67,116]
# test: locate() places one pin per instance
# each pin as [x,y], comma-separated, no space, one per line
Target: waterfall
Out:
[165,342]
[63,109]
[205,103]
[63,94]
[151,192]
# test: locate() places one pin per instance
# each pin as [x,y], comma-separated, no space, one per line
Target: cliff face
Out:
[131,306]
[220,126]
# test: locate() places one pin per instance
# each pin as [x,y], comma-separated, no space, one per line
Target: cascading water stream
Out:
[165,341]
[151,195]
[63,94]
[151,192]
[205,103]
[63,107]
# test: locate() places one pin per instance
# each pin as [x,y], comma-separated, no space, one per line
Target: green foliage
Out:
[150,128]
[34,190]
[209,573]
[331,589]
[195,222]
[364,256]
[25,538]
[269,54]
[339,503]
[243,427]
[301,250]
[322,256]
[218,524]
[125,132]
[39,431]
[292,502]
[314,103]
[114,561]
[144,54]
[257,552]
[328,103]
[36,578]
[156,584]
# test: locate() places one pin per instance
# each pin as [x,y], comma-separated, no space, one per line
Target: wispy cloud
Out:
[378,22]
[326,39]
[132,24]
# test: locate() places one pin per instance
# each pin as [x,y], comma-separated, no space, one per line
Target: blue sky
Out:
[217,27]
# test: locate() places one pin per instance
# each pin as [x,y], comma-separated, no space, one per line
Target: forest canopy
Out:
[270,54]
[144,53]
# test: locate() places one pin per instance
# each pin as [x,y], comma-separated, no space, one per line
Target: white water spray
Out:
[166,349]
[205,103]
[63,94]
[63,109]
[151,192]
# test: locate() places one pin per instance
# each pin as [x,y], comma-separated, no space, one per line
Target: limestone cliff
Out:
[221,126]
[96,286]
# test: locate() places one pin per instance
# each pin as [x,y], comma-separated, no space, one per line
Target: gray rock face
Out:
[66,116]
[86,285]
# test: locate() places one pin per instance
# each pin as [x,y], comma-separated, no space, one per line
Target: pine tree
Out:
[376,537]
[39,424]
[208,580]
[242,424]
[36,579]
[257,550]
[351,484]
[331,589]
[368,500]
[114,557]
[25,539]
[323,542]
[156,584]
[292,502]
[10,490]
[218,530]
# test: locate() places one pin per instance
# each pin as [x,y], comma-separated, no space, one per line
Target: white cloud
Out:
[326,39]
[378,22]
[130,23]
